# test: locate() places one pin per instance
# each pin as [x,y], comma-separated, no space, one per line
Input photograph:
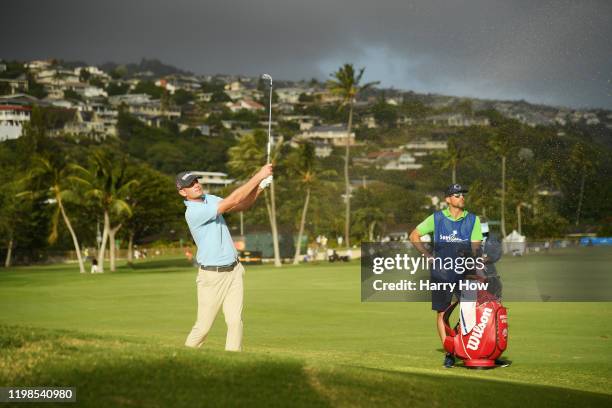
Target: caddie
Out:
[456,233]
[220,274]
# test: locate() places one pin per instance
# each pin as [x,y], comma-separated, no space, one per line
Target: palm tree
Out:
[449,159]
[110,187]
[582,160]
[148,212]
[271,206]
[369,217]
[454,156]
[244,160]
[521,193]
[9,208]
[502,144]
[346,83]
[58,176]
[303,162]
[369,213]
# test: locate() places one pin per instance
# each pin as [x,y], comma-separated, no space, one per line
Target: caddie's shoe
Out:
[502,363]
[449,360]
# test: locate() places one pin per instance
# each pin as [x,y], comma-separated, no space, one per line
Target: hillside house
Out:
[333,134]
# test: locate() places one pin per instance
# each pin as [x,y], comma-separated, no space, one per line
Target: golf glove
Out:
[265,182]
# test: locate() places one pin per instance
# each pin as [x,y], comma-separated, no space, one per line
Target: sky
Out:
[556,52]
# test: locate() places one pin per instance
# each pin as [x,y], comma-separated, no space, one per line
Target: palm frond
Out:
[95,193]
[346,83]
[28,194]
[127,187]
[121,207]
[79,180]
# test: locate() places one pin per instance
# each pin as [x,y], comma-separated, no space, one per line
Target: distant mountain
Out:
[154,66]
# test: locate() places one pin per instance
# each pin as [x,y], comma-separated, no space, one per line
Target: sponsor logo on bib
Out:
[451,238]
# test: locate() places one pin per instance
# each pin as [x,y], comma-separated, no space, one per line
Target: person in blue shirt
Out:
[456,233]
[220,274]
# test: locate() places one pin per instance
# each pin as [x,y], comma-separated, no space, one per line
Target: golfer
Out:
[456,233]
[220,274]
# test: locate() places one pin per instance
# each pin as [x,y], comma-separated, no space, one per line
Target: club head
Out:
[267,77]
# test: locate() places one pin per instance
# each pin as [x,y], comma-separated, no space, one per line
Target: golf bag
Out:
[487,340]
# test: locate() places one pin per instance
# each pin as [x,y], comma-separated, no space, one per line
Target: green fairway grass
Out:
[309,341]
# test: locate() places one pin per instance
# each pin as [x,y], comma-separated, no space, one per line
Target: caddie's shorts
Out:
[441,299]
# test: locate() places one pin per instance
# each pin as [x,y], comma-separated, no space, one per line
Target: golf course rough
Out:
[309,341]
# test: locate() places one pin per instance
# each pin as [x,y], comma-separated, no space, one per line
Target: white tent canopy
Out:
[515,243]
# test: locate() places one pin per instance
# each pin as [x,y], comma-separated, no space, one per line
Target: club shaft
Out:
[270,123]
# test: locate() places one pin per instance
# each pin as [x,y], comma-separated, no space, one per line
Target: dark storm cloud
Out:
[556,52]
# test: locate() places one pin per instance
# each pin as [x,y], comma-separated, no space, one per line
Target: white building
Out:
[322,148]
[395,101]
[369,121]
[404,120]
[247,104]
[85,123]
[561,120]
[405,161]
[204,96]
[456,119]
[591,118]
[56,77]
[154,109]
[37,65]
[234,86]
[63,103]
[427,146]
[289,95]
[167,85]
[235,95]
[203,129]
[333,134]
[93,119]
[87,91]
[305,121]
[17,85]
[212,180]
[12,120]
[129,99]
[93,70]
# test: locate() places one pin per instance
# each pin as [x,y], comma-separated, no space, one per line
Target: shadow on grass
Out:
[172,264]
[392,388]
[107,371]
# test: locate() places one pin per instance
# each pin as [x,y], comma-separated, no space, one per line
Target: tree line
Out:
[58,191]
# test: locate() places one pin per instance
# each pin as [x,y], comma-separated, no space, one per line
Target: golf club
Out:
[268,77]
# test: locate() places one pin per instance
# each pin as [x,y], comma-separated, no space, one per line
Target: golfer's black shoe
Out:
[502,363]
[449,360]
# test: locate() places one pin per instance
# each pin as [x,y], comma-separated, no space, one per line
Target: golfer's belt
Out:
[224,268]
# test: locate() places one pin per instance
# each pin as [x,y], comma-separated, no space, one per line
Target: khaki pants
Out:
[216,289]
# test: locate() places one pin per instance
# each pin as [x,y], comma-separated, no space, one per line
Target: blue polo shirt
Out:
[210,232]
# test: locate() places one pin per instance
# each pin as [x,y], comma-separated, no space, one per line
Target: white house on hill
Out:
[12,119]
[333,134]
